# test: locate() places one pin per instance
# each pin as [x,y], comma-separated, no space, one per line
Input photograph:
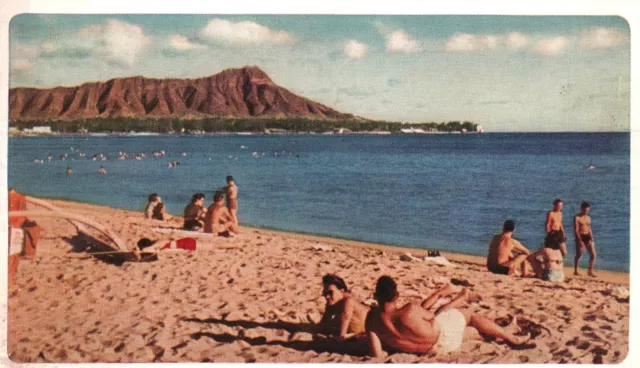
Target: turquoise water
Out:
[448,192]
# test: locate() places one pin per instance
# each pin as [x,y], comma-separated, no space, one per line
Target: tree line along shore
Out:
[223,124]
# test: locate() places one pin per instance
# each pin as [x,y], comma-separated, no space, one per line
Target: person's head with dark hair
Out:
[218,196]
[229,179]
[145,243]
[557,204]
[153,197]
[386,290]
[509,226]
[197,197]
[585,206]
[333,288]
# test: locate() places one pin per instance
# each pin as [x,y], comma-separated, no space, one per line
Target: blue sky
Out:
[508,73]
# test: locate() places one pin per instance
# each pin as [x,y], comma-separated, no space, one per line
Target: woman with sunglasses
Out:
[344,316]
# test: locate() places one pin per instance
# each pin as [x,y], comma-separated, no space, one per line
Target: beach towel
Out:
[184,243]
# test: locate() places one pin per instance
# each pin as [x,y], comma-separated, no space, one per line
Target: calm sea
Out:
[447,192]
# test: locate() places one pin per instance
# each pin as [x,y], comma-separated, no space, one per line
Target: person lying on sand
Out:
[343,314]
[194,213]
[218,220]
[548,263]
[413,329]
[151,245]
[500,259]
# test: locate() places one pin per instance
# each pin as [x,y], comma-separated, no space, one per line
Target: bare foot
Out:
[513,327]
[592,274]
[520,340]
[576,273]
[473,297]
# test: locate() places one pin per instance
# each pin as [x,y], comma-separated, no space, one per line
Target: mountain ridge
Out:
[235,92]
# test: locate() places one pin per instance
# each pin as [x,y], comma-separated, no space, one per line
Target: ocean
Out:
[450,192]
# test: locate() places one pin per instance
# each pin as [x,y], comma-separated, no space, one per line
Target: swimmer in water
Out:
[69,171]
[102,170]
[591,166]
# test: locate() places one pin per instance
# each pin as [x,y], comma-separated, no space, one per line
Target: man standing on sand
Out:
[218,220]
[584,238]
[500,259]
[232,199]
[554,229]
[413,329]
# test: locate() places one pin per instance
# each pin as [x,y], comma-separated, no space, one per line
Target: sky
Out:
[507,73]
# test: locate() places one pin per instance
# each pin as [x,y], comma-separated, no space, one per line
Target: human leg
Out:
[576,260]
[591,248]
[536,263]
[514,263]
[487,327]
[464,296]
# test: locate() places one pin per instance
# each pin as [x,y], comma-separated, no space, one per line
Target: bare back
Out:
[500,249]
[409,329]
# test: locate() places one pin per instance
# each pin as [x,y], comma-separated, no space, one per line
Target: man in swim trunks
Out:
[343,314]
[554,230]
[500,259]
[218,220]
[232,198]
[413,329]
[584,238]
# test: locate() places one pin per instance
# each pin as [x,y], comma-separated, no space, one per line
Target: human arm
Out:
[347,314]
[547,225]
[375,345]
[433,298]
[576,229]
[518,247]
[324,325]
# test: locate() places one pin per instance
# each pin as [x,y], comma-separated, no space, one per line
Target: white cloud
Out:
[464,42]
[23,56]
[355,50]
[116,41]
[602,38]
[551,46]
[400,41]
[182,43]
[517,40]
[242,32]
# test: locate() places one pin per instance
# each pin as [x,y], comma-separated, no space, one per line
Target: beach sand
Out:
[256,303]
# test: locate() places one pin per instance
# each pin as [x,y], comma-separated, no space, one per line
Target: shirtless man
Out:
[500,259]
[343,315]
[413,329]
[554,229]
[194,213]
[218,220]
[232,199]
[584,238]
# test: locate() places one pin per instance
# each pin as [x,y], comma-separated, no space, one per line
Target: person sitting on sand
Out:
[218,219]
[153,201]
[584,238]
[554,230]
[160,214]
[194,213]
[548,263]
[413,329]
[343,314]
[500,259]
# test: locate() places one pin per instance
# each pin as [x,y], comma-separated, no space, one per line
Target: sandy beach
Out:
[257,303]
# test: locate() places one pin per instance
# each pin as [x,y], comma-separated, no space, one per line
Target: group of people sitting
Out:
[507,255]
[218,219]
[410,328]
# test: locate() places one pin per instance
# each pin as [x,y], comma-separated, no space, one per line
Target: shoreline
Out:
[617,277]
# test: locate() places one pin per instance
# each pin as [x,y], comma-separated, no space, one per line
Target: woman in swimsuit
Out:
[548,263]
[343,315]
[159,213]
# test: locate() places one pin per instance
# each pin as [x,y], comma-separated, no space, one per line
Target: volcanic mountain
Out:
[243,92]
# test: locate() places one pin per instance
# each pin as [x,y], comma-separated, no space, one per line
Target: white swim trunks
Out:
[451,323]
[16,240]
